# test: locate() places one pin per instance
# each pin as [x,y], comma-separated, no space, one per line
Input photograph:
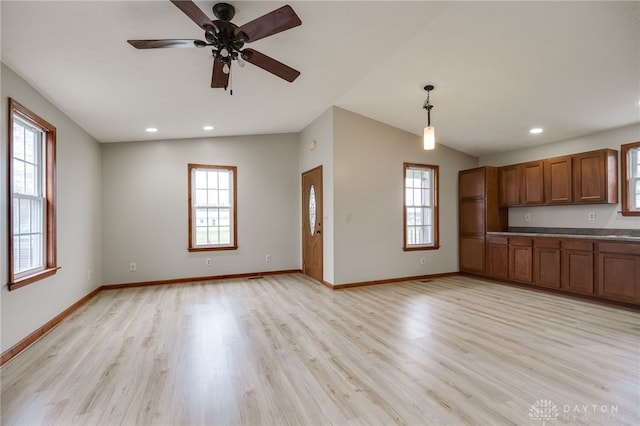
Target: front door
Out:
[312,223]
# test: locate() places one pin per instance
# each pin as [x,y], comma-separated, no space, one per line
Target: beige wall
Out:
[79,219]
[368,209]
[316,149]
[607,216]
[145,207]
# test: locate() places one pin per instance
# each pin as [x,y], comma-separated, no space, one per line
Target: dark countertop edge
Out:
[627,238]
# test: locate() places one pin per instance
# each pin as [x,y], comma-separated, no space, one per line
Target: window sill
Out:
[630,213]
[29,279]
[195,249]
[436,247]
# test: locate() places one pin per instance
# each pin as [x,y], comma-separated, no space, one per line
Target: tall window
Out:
[212,207]
[630,159]
[32,239]
[420,207]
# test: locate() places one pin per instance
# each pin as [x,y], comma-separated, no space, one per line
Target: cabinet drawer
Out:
[546,242]
[520,241]
[577,245]
[497,239]
[622,248]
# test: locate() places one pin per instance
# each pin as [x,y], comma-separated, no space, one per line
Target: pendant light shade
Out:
[429,131]
[429,137]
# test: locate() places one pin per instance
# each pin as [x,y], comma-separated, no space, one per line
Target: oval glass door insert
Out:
[312,210]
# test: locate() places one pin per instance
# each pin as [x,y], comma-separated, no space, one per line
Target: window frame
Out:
[436,202]
[48,170]
[625,159]
[192,247]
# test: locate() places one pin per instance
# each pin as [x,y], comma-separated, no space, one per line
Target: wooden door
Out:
[312,260]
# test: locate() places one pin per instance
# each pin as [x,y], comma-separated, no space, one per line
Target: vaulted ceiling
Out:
[499,68]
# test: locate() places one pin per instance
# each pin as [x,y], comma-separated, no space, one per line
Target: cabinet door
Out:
[509,182]
[532,183]
[546,262]
[618,266]
[595,177]
[557,180]
[577,266]
[472,255]
[497,257]
[471,183]
[520,260]
[472,213]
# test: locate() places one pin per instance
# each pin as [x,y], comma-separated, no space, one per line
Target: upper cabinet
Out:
[532,183]
[557,180]
[510,185]
[595,177]
[585,178]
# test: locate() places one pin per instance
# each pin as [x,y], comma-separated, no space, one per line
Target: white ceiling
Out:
[499,68]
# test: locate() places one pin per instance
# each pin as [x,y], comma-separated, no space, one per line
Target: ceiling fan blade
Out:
[196,14]
[269,64]
[269,24]
[155,44]
[218,78]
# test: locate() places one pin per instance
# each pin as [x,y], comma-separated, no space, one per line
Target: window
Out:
[212,208]
[630,158]
[420,207]
[32,239]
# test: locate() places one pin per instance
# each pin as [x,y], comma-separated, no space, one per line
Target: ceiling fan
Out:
[227,39]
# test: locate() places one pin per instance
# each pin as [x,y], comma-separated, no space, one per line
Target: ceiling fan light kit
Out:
[429,138]
[227,40]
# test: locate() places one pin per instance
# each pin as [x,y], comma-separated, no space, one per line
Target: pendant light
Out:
[429,131]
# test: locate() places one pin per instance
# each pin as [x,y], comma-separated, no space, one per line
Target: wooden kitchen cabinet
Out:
[595,177]
[472,255]
[478,213]
[546,262]
[576,266]
[618,271]
[520,259]
[497,256]
[510,185]
[558,180]
[472,183]
[532,186]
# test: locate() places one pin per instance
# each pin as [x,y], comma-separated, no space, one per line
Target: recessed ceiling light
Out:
[207,128]
[151,129]
[535,130]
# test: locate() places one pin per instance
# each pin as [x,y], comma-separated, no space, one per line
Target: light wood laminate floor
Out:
[284,350]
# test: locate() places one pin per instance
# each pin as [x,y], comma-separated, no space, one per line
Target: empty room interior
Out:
[318,212]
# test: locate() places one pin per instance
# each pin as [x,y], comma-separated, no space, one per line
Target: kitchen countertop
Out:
[630,235]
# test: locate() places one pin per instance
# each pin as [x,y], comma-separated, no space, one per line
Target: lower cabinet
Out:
[472,255]
[520,259]
[618,276]
[546,262]
[606,269]
[498,256]
[577,266]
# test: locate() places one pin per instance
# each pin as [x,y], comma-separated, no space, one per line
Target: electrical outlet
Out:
[89,275]
[267,258]
[422,260]
[591,216]
[208,261]
[133,267]
[527,217]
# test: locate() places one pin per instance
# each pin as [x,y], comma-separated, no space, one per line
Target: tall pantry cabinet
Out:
[479,213]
